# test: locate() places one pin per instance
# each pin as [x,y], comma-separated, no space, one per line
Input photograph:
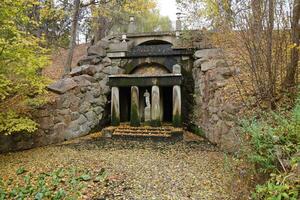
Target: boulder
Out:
[198,62]
[85,69]
[211,64]
[98,51]
[63,85]
[59,128]
[82,81]
[208,54]
[89,60]
[106,61]
[99,48]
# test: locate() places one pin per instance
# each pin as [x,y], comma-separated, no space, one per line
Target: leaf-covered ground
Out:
[94,168]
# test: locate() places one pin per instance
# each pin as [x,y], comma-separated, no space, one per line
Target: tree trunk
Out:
[67,68]
[291,70]
[270,71]
[101,28]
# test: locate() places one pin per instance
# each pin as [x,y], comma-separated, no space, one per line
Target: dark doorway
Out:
[167,96]
[125,103]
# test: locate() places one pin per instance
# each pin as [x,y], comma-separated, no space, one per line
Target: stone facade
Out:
[213,113]
[82,100]
[80,105]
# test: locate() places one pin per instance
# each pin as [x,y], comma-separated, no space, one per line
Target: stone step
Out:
[134,134]
[145,128]
[142,131]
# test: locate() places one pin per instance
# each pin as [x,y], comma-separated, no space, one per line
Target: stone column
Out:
[115,106]
[155,107]
[135,111]
[176,116]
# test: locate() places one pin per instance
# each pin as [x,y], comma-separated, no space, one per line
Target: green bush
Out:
[274,140]
[280,186]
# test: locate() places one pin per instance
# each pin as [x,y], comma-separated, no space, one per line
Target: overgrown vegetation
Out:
[63,183]
[274,149]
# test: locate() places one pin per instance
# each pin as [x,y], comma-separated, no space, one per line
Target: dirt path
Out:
[135,170]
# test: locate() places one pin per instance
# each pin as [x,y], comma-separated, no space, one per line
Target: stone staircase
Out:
[126,131]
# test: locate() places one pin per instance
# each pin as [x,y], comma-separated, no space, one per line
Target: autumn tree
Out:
[262,40]
[293,67]
[21,57]
[72,44]
[113,17]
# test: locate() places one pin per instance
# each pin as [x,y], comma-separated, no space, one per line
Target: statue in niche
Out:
[147,98]
[147,111]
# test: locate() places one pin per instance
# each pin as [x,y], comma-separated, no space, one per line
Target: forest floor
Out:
[94,168]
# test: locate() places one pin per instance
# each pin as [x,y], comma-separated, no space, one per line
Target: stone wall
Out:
[80,105]
[213,112]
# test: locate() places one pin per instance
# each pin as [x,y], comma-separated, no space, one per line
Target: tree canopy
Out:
[21,57]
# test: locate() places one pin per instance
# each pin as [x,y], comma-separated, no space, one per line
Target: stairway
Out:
[126,131]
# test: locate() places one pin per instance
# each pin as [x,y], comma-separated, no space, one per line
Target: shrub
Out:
[280,186]
[21,59]
[274,140]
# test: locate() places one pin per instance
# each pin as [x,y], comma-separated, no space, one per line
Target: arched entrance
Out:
[146,95]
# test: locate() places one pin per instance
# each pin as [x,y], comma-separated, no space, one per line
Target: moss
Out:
[115,121]
[176,120]
[197,130]
[155,123]
[134,116]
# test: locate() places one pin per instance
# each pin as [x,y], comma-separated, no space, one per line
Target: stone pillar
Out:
[176,116]
[115,106]
[135,111]
[155,107]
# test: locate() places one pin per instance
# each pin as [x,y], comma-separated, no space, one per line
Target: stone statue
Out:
[147,111]
[147,98]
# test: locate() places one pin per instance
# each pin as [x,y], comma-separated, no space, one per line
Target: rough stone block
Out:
[84,107]
[75,115]
[208,54]
[89,60]
[85,69]
[63,85]
[63,111]
[96,50]
[59,128]
[91,116]
[98,110]
[46,122]
[82,81]
[75,103]
[106,61]
[208,65]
